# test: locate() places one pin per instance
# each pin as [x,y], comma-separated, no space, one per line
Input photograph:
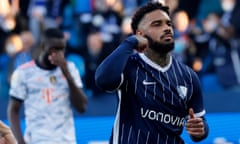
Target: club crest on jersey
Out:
[182,91]
[53,79]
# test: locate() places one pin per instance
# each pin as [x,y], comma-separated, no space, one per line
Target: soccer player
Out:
[156,92]
[48,86]
[6,135]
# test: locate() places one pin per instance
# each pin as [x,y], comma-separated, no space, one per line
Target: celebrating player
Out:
[156,92]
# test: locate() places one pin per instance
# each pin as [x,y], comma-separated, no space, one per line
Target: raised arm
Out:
[108,75]
[77,96]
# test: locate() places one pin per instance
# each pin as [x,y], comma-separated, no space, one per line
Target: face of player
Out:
[157,27]
[51,46]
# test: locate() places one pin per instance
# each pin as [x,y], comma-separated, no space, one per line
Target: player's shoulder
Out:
[135,57]
[27,65]
[134,60]
[183,67]
[24,68]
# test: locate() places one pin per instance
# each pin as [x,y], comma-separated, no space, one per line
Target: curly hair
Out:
[142,11]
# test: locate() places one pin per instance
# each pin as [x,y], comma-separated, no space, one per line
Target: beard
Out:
[48,63]
[158,47]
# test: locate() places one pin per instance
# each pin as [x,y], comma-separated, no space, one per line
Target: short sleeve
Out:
[17,86]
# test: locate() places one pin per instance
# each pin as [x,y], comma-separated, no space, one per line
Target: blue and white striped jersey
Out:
[153,101]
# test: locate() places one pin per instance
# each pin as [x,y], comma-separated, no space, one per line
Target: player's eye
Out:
[169,23]
[157,23]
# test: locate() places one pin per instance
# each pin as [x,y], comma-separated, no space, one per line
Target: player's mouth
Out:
[167,37]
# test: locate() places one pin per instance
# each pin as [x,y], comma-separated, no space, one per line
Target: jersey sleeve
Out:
[196,101]
[109,74]
[75,74]
[18,87]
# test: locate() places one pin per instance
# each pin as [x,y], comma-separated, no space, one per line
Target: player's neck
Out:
[160,59]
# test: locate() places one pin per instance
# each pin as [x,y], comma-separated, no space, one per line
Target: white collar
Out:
[155,65]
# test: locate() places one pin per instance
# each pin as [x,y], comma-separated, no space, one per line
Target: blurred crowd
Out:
[207,35]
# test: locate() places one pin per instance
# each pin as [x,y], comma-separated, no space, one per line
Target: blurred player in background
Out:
[48,86]
[157,93]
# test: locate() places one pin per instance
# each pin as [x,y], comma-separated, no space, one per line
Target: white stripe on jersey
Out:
[163,89]
[147,137]
[145,91]
[136,80]
[158,139]
[129,134]
[166,140]
[139,131]
[122,133]
[117,122]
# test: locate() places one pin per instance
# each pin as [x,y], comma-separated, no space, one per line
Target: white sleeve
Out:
[17,86]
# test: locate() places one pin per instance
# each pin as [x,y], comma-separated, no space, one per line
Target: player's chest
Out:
[159,85]
[46,80]
[47,87]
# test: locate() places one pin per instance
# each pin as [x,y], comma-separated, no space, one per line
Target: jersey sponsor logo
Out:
[48,95]
[148,82]
[162,117]
[182,91]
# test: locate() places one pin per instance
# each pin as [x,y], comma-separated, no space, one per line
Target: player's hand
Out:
[194,125]
[6,135]
[57,58]
[142,43]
